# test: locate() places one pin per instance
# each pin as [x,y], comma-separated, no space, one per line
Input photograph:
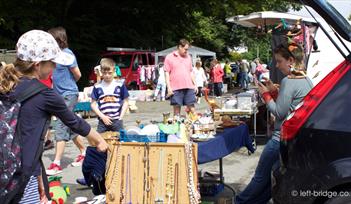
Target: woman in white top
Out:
[200,79]
[161,83]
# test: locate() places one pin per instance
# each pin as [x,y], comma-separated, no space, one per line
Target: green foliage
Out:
[349,17]
[156,24]
[235,56]
[206,31]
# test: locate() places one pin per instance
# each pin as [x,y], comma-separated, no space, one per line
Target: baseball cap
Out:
[38,45]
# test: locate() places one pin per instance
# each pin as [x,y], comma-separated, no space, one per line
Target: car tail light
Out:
[311,101]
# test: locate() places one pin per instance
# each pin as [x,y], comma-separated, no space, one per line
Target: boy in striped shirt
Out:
[109,99]
[110,103]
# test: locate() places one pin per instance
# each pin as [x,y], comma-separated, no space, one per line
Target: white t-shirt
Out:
[161,78]
[200,76]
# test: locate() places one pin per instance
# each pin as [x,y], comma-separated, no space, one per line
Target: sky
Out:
[343,6]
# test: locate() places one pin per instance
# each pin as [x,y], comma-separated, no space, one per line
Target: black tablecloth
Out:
[224,143]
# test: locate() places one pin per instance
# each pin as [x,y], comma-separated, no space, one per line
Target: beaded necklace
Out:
[128,181]
[170,179]
[146,187]
[121,197]
[176,172]
[159,198]
[138,167]
[148,171]
[113,183]
[194,195]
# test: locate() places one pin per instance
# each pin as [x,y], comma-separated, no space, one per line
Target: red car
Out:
[128,60]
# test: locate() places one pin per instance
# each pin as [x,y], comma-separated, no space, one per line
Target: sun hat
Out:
[38,45]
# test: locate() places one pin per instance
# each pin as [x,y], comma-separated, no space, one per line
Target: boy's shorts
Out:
[115,126]
[183,97]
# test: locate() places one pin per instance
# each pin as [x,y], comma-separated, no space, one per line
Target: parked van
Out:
[129,60]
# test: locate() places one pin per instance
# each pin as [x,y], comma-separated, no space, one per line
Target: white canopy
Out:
[266,18]
[193,51]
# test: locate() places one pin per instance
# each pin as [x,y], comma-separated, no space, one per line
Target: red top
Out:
[47,82]
[217,73]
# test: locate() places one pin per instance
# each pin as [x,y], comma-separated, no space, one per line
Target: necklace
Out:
[170,179]
[159,198]
[121,197]
[146,187]
[148,171]
[128,181]
[138,167]
[176,172]
[194,195]
[113,183]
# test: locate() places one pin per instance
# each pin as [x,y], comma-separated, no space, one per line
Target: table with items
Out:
[146,161]
[221,145]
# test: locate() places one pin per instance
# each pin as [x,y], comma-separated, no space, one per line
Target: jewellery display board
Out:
[152,173]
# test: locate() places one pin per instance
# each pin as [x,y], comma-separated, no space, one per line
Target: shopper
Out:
[200,79]
[64,81]
[161,83]
[280,102]
[37,52]
[217,74]
[180,78]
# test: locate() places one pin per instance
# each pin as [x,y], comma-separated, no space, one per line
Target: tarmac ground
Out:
[238,167]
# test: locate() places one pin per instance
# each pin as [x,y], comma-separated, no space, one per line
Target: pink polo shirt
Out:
[179,69]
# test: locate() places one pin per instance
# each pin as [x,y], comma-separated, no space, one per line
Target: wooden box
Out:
[146,172]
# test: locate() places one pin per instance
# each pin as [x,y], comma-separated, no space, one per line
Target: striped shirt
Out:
[110,97]
[31,192]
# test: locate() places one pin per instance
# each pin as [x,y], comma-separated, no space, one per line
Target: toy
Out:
[57,192]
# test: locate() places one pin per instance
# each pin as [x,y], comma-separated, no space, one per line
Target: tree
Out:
[349,17]
[156,24]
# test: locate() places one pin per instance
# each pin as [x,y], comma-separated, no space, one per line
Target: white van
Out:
[320,61]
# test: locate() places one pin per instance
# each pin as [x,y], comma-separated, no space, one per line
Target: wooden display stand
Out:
[136,174]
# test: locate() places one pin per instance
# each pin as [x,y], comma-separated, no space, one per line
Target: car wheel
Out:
[340,199]
[133,86]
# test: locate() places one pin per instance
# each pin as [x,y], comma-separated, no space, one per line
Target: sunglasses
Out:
[291,47]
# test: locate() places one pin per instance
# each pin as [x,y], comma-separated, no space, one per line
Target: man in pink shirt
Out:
[180,79]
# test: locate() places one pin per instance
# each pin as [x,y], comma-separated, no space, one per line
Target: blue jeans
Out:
[259,189]
[244,80]
[161,87]
[218,89]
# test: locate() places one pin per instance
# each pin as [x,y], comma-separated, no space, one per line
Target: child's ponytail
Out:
[9,77]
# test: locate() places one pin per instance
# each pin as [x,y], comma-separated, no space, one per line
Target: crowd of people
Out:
[43,58]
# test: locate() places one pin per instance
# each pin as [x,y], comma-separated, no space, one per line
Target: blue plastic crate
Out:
[160,137]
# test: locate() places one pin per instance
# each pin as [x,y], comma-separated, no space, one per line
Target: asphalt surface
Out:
[238,167]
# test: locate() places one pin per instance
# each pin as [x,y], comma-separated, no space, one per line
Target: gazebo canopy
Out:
[193,51]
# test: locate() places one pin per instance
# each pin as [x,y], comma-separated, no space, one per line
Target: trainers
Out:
[81,181]
[49,144]
[79,160]
[53,169]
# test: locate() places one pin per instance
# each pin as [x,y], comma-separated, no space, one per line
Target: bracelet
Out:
[267,97]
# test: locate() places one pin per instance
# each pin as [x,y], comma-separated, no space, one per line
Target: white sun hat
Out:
[38,45]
